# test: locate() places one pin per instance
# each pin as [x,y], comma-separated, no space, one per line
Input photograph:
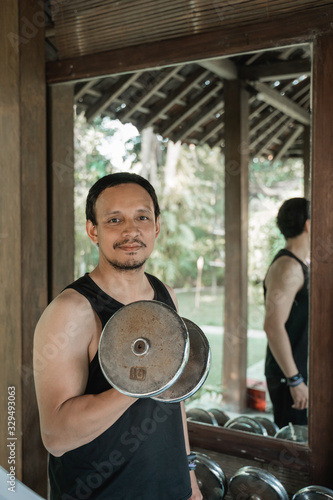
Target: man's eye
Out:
[113,221]
[143,217]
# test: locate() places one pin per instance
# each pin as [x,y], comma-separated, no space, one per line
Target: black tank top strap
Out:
[287,253]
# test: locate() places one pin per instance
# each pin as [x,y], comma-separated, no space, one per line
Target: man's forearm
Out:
[81,419]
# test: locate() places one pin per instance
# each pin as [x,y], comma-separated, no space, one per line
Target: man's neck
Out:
[299,246]
[126,286]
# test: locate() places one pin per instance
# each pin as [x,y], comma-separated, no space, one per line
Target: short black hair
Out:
[292,216]
[114,180]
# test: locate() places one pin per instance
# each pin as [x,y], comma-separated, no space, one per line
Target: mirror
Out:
[278,97]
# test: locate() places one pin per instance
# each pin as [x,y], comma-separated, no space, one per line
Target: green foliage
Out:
[192,204]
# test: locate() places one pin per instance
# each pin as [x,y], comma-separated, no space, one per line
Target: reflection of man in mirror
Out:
[286,316]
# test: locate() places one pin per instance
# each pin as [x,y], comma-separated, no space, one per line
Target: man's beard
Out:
[130,265]
[126,266]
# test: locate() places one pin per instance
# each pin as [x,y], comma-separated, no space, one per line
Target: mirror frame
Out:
[313,26]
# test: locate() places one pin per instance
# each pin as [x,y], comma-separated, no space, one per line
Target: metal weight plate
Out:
[211,479]
[314,493]
[247,424]
[200,415]
[143,349]
[269,425]
[296,433]
[252,483]
[220,416]
[196,370]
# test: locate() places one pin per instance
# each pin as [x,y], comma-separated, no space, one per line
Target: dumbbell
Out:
[201,415]
[210,477]
[247,424]
[269,425]
[252,483]
[147,350]
[220,416]
[313,493]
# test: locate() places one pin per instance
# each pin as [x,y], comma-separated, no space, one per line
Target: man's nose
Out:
[130,227]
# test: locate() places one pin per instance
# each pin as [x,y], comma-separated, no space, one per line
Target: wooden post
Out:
[23,234]
[61,184]
[236,248]
[321,282]
[307,161]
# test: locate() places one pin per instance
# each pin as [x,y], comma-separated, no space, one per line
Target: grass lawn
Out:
[211,309]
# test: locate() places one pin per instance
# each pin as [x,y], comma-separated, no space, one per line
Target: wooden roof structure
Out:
[150,62]
[185,102]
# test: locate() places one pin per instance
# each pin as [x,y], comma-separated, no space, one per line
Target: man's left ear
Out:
[157,227]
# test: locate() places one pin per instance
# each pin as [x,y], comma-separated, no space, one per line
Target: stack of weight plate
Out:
[212,416]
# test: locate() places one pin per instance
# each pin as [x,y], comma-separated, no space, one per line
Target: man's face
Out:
[126,228]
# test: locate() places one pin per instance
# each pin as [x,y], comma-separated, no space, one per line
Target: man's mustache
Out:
[128,241]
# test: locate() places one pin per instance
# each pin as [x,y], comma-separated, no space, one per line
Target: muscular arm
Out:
[284,279]
[64,335]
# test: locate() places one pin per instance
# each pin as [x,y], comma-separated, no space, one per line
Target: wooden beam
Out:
[263,449]
[192,108]
[236,233]
[223,68]
[321,282]
[288,143]
[225,41]
[23,246]
[10,239]
[146,93]
[307,162]
[214,106]
[110,95]
[276,71]
[281,102]
[33,233]
[61,187]
[215,127]
[178,93]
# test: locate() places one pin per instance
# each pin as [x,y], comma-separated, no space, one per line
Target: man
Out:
[286,316]
[105,445]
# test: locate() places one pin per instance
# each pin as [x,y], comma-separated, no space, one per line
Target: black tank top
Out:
[297,326]
[142,456]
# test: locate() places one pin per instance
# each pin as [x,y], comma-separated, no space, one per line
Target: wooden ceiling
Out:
[185,102]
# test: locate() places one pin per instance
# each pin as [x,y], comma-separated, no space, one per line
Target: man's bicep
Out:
[282,286]
[60,358]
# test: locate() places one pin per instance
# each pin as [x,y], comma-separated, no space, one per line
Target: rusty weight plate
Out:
[195,371]
[143,348]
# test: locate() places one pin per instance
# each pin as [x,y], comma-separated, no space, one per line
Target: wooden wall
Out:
[23,232]
[28,191]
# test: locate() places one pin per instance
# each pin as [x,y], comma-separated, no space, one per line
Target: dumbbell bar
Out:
[147,350]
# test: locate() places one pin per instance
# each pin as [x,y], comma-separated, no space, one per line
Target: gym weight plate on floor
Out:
[211,478]
[252,483]
[313,493]
[145,347]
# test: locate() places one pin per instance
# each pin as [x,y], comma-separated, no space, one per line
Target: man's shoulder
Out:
[285,272]
[68,303]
